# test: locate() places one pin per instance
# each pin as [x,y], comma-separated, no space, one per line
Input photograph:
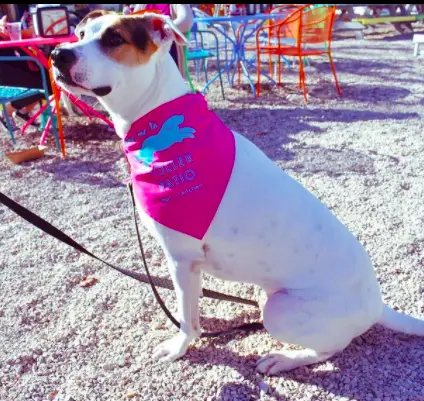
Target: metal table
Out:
[242,29]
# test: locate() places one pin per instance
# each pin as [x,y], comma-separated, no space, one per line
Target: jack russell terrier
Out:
[217,204]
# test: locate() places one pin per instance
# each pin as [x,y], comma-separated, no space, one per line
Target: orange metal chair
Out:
[284,9]
[306,32]
[270,34]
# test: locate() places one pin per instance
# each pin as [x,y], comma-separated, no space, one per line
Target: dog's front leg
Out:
[186,278]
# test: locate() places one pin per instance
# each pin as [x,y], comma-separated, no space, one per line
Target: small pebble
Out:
[263,387]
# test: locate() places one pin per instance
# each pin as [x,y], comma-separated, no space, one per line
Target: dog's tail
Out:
[400,322]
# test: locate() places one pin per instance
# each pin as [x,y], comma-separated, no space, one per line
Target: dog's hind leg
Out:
[322,323]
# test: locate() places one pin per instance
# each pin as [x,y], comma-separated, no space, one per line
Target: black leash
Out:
[48,228]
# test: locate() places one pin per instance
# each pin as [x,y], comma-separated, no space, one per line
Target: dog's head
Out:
[114,52]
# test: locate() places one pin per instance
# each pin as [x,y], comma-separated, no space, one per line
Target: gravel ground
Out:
[361,154]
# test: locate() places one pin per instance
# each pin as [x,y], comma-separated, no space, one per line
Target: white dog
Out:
[266,228]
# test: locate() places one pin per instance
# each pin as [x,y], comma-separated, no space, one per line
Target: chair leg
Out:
[300,73]
[258,63]
[187,70]
[220,78]
[218,65]
[333,68]
[205,69]
[226,58]
[270,66]
[279,70]
[302,79]
[190,82]
[8,124]
[197,64]
[275,72]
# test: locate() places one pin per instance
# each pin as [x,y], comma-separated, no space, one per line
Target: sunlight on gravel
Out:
[361,154]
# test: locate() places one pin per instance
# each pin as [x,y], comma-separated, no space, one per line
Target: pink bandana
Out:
[181,156]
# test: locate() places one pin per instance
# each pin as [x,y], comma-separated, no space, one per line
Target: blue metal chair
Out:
[221,27]
[199,53]
[9,94]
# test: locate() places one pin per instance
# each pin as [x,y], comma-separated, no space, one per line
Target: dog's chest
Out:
[181,157]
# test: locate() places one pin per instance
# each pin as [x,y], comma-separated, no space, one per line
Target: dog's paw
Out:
[172,349]
[277,362]
[286,360]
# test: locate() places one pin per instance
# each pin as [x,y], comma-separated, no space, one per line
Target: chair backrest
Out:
[307,24]
[317,24]
[289,26]
[198,13]
[26,59]
[207,9]
[201,26]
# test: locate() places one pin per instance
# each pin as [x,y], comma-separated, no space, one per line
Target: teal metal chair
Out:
[200,54]
[9,94]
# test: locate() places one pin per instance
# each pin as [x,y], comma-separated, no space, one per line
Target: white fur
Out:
[269,231]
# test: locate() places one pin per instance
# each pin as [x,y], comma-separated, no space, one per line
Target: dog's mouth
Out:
[102,91]
[67,80]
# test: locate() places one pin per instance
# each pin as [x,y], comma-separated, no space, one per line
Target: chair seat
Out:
[199,54]
[292,51]
[10,93]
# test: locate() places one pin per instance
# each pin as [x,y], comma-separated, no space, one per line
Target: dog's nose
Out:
[63,59]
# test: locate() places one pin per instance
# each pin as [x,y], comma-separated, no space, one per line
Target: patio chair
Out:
[209,42]
[187,71]
[268,37]
[197,52]
[9,94]
[306,32]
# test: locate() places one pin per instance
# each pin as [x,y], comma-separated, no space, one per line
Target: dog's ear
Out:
[162,29]
[89,17]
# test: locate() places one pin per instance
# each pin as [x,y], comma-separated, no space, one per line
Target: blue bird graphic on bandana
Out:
[168,135]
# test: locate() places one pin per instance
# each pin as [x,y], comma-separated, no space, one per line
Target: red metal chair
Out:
[306,32]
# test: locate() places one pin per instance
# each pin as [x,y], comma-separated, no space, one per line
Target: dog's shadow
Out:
[379,364]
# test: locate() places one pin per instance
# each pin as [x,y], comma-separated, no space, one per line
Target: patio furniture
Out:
[306,32]
[246,27]
[396,14]
[268,37]
[202,54]
[187,72]
[209,43]
[418,39]
[9,94]
[32,48]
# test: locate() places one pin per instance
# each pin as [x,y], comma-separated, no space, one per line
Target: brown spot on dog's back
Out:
[137,46]
[206,248]
[217,267]
[195,266]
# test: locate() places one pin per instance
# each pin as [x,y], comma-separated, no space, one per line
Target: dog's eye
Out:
[113,39]
[81,35]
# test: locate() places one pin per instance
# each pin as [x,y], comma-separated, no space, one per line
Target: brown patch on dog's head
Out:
[131,40]
[128,41]
[89,17]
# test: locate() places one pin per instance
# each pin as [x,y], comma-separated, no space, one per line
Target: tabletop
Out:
[39,41]
[236,18]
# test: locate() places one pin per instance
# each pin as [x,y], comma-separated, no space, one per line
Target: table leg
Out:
[238,56]
[242,60]
[33,117]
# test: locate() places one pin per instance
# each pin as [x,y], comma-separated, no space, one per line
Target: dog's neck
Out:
[129,106]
